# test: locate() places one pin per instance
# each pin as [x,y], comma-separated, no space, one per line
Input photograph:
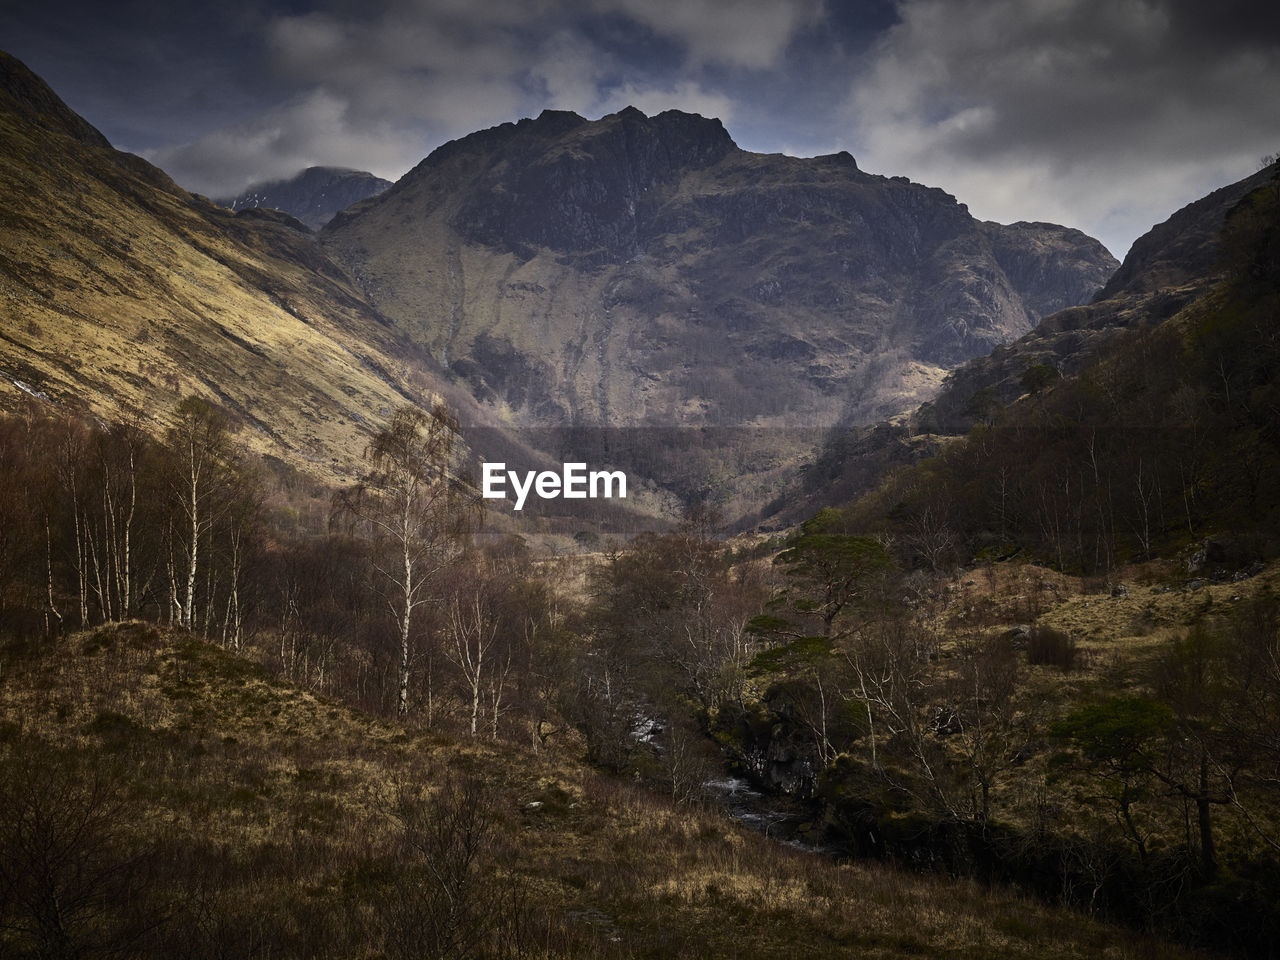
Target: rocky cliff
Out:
[646,270]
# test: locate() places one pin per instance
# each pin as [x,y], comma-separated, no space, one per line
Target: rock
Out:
[1252,570]
[1119,590]
[1019,636]
[1215,553]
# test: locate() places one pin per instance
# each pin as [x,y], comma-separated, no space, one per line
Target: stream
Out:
[777,818]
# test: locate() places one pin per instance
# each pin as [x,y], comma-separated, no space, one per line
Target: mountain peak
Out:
[550,116]
[566,183]
[26,94]
[314,195]
[645,271]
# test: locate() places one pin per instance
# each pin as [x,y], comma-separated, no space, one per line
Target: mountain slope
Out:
[119,291]
[1166,269]
[313,196]
[213,810]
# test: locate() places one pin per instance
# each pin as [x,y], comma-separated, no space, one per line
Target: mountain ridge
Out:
[1168,267]
[22,91]
[126,292]
[1177,264]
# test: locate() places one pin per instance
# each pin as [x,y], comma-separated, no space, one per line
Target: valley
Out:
[958,540]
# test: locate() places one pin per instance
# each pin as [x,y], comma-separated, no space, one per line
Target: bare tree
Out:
[419,512]
[473,633]
[203,470]
[73,883]
[452,899]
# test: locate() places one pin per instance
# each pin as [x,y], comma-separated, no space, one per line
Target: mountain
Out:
[631,273]
[647,272]
[122,292]
[1167,268]
[1176,271]
[313,196]
[26,95]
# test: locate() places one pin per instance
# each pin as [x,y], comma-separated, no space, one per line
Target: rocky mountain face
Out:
[1167,268]
[645,272]
[638,270]
[313,196]
[121,292]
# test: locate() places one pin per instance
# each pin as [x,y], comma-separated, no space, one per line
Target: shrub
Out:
[1049,647]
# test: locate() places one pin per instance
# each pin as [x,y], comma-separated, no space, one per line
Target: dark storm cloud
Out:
[136,68]
[1102,114]
[1107,114]
[378,90]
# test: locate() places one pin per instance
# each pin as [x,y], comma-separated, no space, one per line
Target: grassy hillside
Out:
[162,797]
[120,292]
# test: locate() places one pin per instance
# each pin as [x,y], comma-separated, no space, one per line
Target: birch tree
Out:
[419,513]
[202,475]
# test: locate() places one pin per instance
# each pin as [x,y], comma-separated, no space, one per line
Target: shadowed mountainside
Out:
[1167,268]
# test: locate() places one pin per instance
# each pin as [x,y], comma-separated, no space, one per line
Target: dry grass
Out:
[277,801]
[1120,640]
[120,294]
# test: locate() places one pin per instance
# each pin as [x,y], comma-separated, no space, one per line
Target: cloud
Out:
[736,33]
[374,94]
[570,70]
[1103,114]
[316,129]
[377,92]
[688,97]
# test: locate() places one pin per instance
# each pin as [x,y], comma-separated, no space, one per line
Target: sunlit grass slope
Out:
[119,292]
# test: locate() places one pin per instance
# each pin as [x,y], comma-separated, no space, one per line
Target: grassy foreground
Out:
[163,797]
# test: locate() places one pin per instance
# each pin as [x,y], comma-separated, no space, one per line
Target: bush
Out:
[1049,647]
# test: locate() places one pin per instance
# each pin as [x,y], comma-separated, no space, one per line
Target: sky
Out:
[1106,115]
